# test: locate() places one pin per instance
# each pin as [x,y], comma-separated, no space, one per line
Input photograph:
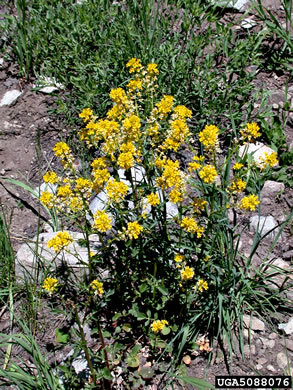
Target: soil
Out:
[27,136]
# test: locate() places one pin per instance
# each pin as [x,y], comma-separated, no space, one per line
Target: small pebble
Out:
[271,368]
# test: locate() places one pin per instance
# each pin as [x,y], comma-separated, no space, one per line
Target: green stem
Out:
[84,345]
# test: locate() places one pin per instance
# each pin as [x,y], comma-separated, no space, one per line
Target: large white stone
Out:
[31,254]
[238,5]
[263,225]
[271,189]
[10,97]
[253,323]
[257,151]
[288,328]
[52,188]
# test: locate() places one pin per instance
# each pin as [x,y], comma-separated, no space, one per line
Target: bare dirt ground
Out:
[27,135]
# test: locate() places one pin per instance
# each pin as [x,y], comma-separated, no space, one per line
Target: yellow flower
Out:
[50,177]
[50,285]
[47,199]
[270,160]
[196,164]
[76,203]
[125,160]
[86,114]
[182,112]
[178,258]
[134,229]
[249,202]
[116,190]
[191,226]
[102,221]
[64,191]
[153,199]
[152,69]
[198,205]
[119,96]
[157,326]
[101,176]
[82,185]
[208,174]
[165,105]
[176,135]
[172,176]
[60,241]
[201,285]
[61,149]
[97,287]
[251,131]
[175,196]
[132,126]
[187,273]
[99,163]
[237,185]
[134,65]
[237,166]
[134,85]
[209,136]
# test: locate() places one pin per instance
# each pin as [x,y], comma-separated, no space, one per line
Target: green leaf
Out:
[143,287]
[133,361]
[166,330]
[116,316]
[163,290]
[199,383]
[62,337]
[146,372]
[126,327]
[161,344]
[107,374]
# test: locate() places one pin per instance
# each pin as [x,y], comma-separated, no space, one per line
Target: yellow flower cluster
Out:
[50,285]
[153,199]
[269,160]
[60,241]
[238,185]
[51,177]
[201,285]
[191,226]
[250,132]
[134,65]
[237,166]
[102,221]
[158,325]
[86,114]
[178,258]
[187,273]
[62,150]
[209,137]
[196,163]
[176,135]
[249,202]
[116,190]
[208,174]
[198,205]
[47,199]
[133,230]
[97,287]
[172,177]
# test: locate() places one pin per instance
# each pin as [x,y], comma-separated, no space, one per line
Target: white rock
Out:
[1,61]
[31,253]
[257,150]
[48,85]
[248,23]
[254,323]
[80,365]
[10,97]
[282,360]
[271,189]
[263,225]
[99,202]
[249,350]
[288,328]
[52,188]
[262,360]
[239,5]
[271,368]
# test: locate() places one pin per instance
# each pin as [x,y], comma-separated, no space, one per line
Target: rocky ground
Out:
[27,135]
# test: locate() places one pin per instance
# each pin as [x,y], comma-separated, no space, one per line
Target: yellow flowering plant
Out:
[165,240]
